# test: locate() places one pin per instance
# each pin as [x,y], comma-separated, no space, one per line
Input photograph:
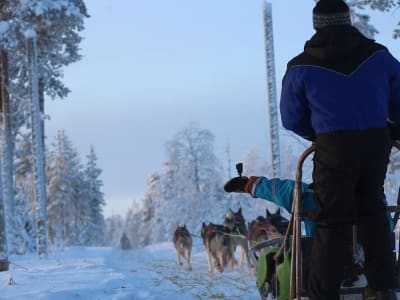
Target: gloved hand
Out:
[241,184]
[236,184]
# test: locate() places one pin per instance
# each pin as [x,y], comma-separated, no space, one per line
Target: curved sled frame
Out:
[264,244]
[295,268]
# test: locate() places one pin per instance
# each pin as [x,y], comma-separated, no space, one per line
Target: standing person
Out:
[340,92]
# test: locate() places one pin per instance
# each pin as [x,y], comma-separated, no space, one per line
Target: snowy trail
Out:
[106,273]
[80,273]
[157,276]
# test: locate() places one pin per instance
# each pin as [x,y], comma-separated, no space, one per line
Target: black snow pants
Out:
[349,173]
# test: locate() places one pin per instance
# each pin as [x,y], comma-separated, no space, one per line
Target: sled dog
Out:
[239,234]
[277,220]
[262,229]
[183,245]
[218,245]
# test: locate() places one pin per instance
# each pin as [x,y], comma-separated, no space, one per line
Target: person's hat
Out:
[330,12]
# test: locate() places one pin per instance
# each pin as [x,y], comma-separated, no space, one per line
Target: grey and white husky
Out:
[183,244]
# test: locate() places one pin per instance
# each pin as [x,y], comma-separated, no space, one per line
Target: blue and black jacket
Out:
[341,81]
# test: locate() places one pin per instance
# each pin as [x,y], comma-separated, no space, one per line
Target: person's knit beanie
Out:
[330,12]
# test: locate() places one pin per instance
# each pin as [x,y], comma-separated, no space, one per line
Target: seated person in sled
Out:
[277,191]
[280,192]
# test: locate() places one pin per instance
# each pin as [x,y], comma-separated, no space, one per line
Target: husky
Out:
[278,221]
[262,229]
[183,244]
[239,234]
[218,245]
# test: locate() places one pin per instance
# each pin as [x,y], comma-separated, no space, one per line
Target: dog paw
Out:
[220,269]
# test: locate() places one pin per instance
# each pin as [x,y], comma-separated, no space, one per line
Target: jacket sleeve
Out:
[280,192]
[394,98]
[294,108]
[274,190]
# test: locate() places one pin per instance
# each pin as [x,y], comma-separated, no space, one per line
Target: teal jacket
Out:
[281,192]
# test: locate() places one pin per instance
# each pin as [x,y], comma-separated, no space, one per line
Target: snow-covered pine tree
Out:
[58,25]
[114,230]
[362,21]
[24,187]
[151,217]
[57,45]
[64,173]
[192,183]
[136,222]
[94,225]
[189,191]
[254,165]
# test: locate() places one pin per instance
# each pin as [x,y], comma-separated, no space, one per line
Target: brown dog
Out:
[262,229]
[183,245]
[218,245]
[277,220]
[239,234]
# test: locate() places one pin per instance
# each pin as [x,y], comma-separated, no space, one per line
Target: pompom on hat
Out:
[331,12]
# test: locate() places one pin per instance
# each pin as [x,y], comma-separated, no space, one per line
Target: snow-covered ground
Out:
[102,273]
[108,273]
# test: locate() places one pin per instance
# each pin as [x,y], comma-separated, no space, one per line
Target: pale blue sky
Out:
[151,67]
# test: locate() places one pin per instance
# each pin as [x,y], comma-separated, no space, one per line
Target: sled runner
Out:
[282,263]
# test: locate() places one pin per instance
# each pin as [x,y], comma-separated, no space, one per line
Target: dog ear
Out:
[229,214]
[277,213]
[240,210]
[203,225]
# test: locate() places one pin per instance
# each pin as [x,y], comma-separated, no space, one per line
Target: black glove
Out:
[236,184]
